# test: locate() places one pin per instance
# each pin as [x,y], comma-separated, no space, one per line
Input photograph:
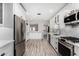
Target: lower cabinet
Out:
[76,50]
[7,50]
[54,43]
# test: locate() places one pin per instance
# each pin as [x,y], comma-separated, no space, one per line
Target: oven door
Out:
[65,49]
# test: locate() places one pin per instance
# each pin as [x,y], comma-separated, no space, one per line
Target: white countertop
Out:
[6,36]
[5,42]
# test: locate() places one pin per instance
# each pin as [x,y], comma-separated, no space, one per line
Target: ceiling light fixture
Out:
[50,10]
[38,13]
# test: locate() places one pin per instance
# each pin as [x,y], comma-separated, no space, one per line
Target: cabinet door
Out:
[56,44]
[52,41]
[7,50]
[8,15]
[76,50]
[1,13]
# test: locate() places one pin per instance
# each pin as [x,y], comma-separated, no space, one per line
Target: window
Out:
[34,27]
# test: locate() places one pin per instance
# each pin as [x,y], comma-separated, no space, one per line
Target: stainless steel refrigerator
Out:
[19,36]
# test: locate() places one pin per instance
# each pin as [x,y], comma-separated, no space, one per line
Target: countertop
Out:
[59,36]
[5,42]
[75,44]
[6,36]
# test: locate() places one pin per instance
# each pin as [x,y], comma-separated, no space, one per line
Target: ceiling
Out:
[42,11]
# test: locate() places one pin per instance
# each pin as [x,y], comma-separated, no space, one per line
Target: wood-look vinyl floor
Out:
[39,48]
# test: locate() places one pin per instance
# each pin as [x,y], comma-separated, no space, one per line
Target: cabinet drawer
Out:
[7,50]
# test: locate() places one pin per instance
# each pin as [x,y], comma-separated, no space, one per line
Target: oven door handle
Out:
[66,44]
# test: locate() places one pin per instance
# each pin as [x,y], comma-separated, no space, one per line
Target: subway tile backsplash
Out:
[70,31]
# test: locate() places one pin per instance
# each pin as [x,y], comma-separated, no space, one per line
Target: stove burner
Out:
[73,39]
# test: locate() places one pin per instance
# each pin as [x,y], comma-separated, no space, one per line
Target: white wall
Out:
[40,23]
[67,30]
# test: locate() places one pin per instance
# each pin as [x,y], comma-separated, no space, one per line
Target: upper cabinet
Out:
[6,15]
[1,13]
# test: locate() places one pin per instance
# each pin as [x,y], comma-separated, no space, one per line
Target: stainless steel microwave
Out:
[72,18]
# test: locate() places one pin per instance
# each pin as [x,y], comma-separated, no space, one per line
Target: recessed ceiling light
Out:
[51,11]
[38,13]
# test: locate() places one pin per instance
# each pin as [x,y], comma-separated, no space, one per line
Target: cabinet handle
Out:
[2,54]
[74,53]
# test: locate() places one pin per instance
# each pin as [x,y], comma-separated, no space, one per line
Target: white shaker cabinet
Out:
[54,42]
[7,50]
[6,15]
[76,50]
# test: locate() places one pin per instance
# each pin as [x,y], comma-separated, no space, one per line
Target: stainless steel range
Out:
[65,48]
[72,39]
